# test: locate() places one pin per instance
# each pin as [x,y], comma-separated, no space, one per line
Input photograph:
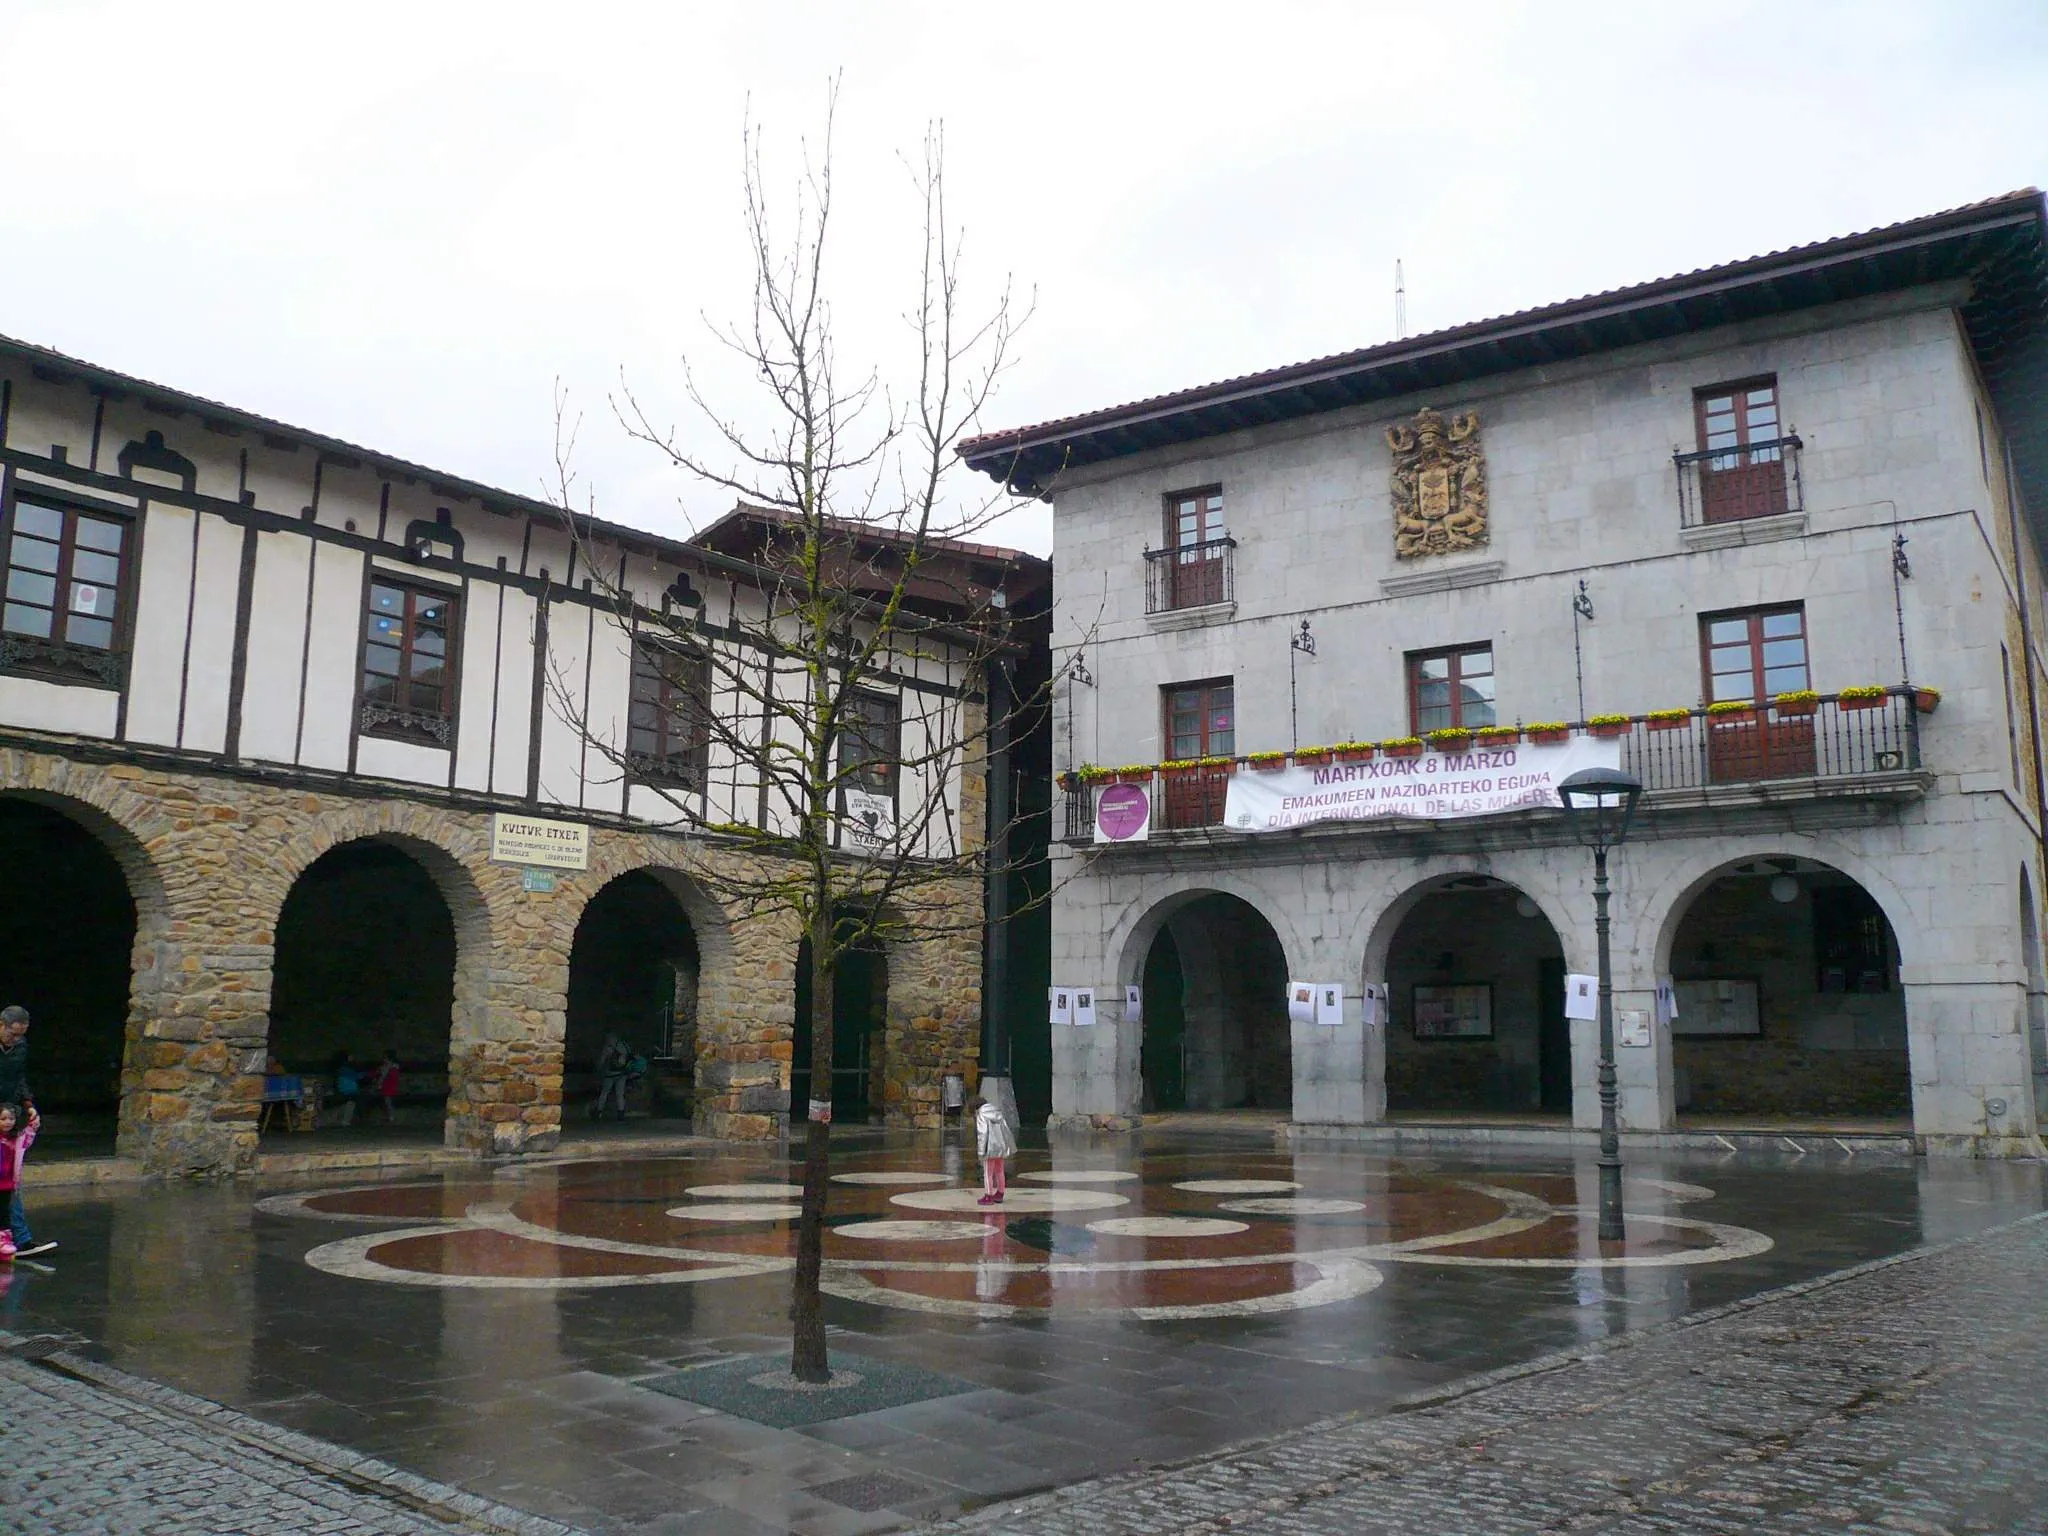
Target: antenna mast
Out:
[1400,303]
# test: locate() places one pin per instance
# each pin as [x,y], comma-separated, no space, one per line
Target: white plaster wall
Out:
[70,710]
[156,660]
[515,693]
[479,676]
[212,655]
[561,737]
[379,758]
[333,658]
[611,681]
[278,635]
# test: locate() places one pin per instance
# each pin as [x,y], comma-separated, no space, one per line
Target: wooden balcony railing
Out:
[1191,576]
[1731,485]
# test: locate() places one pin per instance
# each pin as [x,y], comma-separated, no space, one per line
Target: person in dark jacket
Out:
[14,1091]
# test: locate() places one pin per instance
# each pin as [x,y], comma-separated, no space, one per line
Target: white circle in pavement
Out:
[1238,1186]
[1303,1205]
[1079,1176]
[746,1191]
[737,1211]
[891,1178]
[915,1231]
[1166,1226]
[1017,1202]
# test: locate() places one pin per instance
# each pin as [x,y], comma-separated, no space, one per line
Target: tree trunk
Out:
[808,1361]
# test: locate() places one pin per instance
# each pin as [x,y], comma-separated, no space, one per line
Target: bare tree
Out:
[847,581]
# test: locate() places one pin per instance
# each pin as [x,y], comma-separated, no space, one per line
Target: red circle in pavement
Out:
[1122,811]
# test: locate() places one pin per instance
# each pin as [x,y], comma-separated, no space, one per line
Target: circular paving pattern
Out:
[737,1210]
[1213,1234]
[1166,1226]
[1016,1202]
[914,1231]
[747,1191]
[1294,1205]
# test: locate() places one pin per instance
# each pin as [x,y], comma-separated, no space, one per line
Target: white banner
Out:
[1436,786]
[869,822]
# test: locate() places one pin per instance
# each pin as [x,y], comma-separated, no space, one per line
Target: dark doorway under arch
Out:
[1475,974]
[1215,1030]
[633,973]
[67,940]
[860,1013]
[366,964]
[1790,1007]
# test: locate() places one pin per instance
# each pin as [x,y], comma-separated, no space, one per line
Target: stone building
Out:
[1767,535]
[270,703]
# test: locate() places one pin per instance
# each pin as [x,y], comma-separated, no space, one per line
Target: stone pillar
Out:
[1972,1083]
[1096,1073]
[1330,1067]
[511,1017]
[192,1074]
[934,1021]
[745,1032]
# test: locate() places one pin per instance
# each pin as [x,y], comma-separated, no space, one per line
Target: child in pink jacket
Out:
[15,1140]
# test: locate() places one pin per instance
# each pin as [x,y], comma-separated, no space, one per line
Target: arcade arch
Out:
[379,948]
[1214,1032]
[1475,976]
[1790,1006]
[634,968]
[84,901]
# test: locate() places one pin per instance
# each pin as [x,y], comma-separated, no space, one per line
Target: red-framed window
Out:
[1195,534]
[871,743]
[408,661]
[1741,431]
[668,731]
[68,571]
[1754,653]
[1200,719]
[1450,689]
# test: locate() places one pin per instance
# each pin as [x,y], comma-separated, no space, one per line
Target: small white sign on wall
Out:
[1084,1006]
[1667,1000]
[1632,1027]
[1374,1003]
[1329,1003]
[1582,997]
[1134,1005]
[1301,1002]
[1061,1001]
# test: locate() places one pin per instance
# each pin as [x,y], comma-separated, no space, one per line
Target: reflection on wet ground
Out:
[1128,1305]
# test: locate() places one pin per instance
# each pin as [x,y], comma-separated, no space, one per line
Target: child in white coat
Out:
[996,1142]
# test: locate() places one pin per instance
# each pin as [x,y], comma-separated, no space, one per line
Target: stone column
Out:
[510,1020]
[745,1032]
[192,1074]
[934,1021]
[1972,1083]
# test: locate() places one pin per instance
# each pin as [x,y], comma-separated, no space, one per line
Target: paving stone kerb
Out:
[1901,1395]
[94,1449]
[210,860]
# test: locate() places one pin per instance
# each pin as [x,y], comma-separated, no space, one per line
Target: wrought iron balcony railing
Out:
[1191,576]
[1829,740]
[1731,485]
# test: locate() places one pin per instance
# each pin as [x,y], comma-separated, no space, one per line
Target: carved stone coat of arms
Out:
[1439,484]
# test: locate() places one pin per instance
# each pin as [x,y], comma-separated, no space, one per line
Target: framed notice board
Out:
[1723,1006]
[1462,1012]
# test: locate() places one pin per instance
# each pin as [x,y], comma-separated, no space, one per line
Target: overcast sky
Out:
[400,224]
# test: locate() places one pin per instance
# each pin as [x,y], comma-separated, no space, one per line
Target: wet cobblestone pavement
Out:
[497,1330]
[1905,1398]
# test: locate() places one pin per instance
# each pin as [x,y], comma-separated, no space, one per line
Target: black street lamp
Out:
[1600,802]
